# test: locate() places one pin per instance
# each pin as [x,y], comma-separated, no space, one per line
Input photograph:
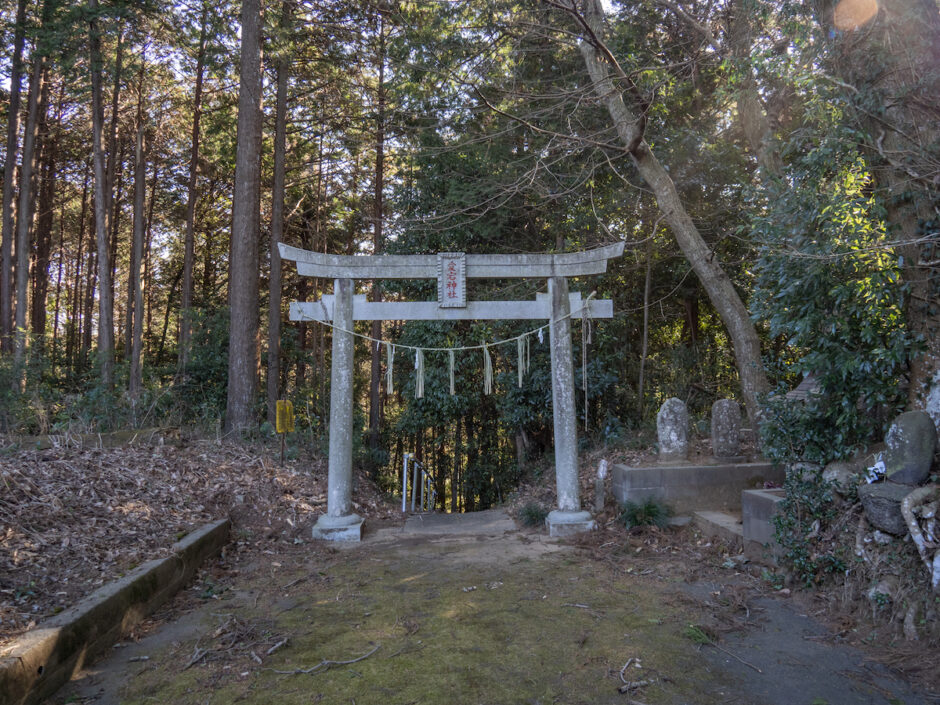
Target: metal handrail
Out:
[426,483]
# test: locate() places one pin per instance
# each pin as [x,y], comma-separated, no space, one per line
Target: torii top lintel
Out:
[511,266]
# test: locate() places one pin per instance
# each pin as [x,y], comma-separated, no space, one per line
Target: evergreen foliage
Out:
[800,526]
[829,285]
[533,514]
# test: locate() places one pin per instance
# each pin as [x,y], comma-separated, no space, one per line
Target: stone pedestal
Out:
[687,488]
[343,528]
[561,523]
[758,509]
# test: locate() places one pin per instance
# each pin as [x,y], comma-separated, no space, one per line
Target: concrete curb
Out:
[45,658]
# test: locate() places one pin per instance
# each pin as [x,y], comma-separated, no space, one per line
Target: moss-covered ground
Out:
[452,621]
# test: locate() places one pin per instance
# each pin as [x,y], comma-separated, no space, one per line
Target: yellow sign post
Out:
[285,416]
[284,421]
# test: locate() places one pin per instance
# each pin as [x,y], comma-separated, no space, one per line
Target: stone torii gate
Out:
[451,269]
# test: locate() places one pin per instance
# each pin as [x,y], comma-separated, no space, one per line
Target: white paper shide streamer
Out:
[450,360]
[419,374]
[389,362]
[522,351]
[487,370]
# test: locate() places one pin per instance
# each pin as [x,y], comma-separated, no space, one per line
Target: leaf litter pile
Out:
[72,519]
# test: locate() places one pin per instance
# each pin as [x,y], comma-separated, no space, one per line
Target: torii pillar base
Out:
[561,523]
[344,528]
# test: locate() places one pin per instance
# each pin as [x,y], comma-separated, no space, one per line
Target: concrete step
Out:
[726,526]
[758,509]
[491,522]
[736,530]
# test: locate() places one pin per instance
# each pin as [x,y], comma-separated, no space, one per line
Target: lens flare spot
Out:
[852,14]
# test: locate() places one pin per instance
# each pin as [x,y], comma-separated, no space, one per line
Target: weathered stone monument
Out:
[672,430]
[599,490]
[909,447]
[451,269]
[726,429]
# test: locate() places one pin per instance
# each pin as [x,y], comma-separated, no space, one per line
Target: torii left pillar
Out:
[340,523]
[568,519]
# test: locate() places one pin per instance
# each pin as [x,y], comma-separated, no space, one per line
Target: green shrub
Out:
[830,286]
[830,292]
[533,514]
[647,513]
[805,512]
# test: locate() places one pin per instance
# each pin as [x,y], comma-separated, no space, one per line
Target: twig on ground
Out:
[327,664]
[595,613]
[733,655]
[407,649]
[198,655]
[274,648]
[625,667]
[634,685]
[698,635]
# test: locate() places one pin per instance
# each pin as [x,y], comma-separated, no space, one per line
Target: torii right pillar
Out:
[568,518]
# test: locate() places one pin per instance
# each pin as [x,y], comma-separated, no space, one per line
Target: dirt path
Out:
[788,658]
[479,614]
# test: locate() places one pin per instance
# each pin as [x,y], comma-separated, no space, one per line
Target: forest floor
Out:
[616,617]
[73,518]
[446,615]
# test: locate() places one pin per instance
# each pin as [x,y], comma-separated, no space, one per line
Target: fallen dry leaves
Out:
[72,519]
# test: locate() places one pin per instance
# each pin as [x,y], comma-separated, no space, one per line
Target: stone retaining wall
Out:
[686,488]
[45,658]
